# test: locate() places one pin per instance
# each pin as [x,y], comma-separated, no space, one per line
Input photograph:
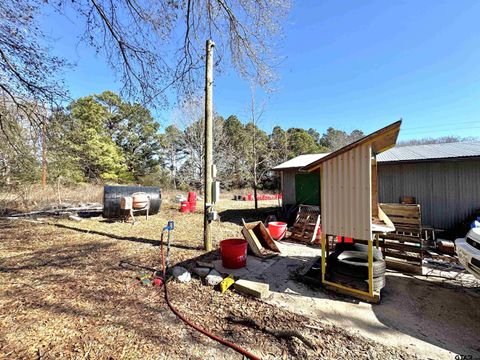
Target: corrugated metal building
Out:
[444,179]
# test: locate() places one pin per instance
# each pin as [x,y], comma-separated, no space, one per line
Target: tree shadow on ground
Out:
[53,257]
[235,216]
[125,238]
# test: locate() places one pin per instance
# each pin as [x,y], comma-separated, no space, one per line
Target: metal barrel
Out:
[112,196]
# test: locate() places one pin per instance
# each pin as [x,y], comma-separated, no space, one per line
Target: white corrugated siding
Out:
[346,194]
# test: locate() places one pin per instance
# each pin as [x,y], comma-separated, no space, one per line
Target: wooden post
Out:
[374,189]
[324,256]
[207,233]
[370,268]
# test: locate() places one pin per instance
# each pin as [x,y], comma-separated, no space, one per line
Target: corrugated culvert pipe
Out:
[112,196]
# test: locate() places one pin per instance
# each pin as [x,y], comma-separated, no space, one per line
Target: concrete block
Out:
[256,289]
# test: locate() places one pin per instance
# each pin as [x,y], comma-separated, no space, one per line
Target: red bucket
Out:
[234,253]
[192,197]
[184,206]
[277,229]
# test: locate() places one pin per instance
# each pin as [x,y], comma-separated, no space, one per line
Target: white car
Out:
[468,251]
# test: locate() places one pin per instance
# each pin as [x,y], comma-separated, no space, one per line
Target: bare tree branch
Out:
[154,46]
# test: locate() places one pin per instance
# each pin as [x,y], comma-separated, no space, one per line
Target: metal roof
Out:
[401,153]
[300,161]
[431,152]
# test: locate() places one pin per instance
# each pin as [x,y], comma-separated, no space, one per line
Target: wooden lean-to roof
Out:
[380,141]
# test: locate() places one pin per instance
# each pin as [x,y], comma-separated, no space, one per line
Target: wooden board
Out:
[387,244]
[403,266]
[404,238]
[404,256]
[405,221]
[259,240]
[374,300]
[253,243]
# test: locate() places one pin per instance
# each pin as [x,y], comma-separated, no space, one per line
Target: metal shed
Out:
[443,178]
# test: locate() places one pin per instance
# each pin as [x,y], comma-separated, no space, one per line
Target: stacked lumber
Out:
[306,224]
[404,248]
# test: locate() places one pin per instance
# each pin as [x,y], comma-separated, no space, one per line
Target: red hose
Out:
[195,326]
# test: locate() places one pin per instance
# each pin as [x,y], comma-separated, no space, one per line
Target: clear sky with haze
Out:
[347,64]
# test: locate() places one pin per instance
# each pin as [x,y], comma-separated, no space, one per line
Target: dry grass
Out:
[70,290]
[34,197]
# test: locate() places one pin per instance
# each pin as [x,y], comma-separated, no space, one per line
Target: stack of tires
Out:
[348,265]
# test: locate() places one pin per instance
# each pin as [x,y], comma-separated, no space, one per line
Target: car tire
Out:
[355,264]
[360,284]
[377,253]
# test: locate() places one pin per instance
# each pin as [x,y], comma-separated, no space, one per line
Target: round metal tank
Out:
[112,196]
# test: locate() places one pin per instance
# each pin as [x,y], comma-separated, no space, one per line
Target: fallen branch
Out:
[281,334]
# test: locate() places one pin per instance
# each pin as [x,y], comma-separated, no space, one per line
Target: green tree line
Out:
[102,138]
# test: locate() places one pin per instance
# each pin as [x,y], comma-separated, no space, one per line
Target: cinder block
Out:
[256,289]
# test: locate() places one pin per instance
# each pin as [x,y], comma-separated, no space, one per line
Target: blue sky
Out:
[347,64]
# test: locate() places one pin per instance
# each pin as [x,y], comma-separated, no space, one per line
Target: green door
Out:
[307,189]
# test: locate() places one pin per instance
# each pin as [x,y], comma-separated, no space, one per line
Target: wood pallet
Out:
[306,224]
[404,248]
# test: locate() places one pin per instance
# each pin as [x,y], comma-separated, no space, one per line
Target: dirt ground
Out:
[70,289]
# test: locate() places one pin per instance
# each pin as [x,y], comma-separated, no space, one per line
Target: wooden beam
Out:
[392,128]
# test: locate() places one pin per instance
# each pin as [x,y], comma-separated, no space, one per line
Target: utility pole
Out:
[207,231]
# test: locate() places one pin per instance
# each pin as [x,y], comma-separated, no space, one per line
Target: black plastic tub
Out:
[112,196]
